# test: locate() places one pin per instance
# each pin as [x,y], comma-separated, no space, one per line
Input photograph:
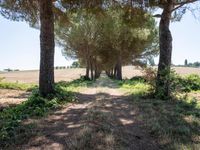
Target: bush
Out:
[190,83]
[136,86]
[177,82]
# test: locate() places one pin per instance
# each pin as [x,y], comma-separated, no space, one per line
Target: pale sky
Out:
[19,44]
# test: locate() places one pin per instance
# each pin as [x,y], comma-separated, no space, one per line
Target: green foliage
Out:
[136,86]
[17,86]
[195,64]
[177,83]
[189,83]
[75,64]
[11,119]
[98,39]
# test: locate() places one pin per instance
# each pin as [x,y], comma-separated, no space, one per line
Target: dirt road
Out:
[103,118]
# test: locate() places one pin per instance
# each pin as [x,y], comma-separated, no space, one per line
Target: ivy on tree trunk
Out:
[164,66]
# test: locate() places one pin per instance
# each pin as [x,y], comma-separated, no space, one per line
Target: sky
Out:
[20,47]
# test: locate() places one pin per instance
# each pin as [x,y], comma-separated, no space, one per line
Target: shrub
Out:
[136,86]
[150,75]
[191,83]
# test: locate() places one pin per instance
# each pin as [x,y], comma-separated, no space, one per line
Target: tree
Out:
[107,41]
[151,61]
[186,62]
[34,12]
[75,64]
[171,9]
[46,77]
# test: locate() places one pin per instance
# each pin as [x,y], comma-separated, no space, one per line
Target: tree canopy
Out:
[105,39]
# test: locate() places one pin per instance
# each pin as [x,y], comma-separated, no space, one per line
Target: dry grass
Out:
[130,71]
[97,132]
[33,76]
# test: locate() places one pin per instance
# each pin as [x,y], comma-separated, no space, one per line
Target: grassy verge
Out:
[12,128]
[136,87]
[17,86]
[175,123]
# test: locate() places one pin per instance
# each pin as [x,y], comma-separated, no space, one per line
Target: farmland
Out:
[71,74]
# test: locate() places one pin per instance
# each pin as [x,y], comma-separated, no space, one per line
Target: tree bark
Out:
[87,70]
[46,76]
[165,41]
[115,71]
[91,69]
[119,69]
[95,68]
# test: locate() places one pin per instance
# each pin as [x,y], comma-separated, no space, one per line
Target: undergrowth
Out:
[137,86]
[12,129]
[175,122]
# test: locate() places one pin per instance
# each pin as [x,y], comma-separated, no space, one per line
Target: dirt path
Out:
[103,118]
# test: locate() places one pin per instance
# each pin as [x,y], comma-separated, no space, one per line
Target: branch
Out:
[183,3]
[157,16]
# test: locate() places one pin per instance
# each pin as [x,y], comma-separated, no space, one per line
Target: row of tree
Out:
[195,64]
[46,13]
[107,41]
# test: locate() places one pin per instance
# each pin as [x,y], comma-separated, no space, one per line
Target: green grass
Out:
[17,86]
[136,87]
[12,129]
[175,123]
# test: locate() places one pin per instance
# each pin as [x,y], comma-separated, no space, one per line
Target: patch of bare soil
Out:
[9,98]
[102,119]
[196,95]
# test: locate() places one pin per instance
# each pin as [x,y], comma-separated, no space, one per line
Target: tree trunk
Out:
[119,69]
[95,68]
[115,71]
[165,41]
[87,71]
[46,77]
[91,69]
